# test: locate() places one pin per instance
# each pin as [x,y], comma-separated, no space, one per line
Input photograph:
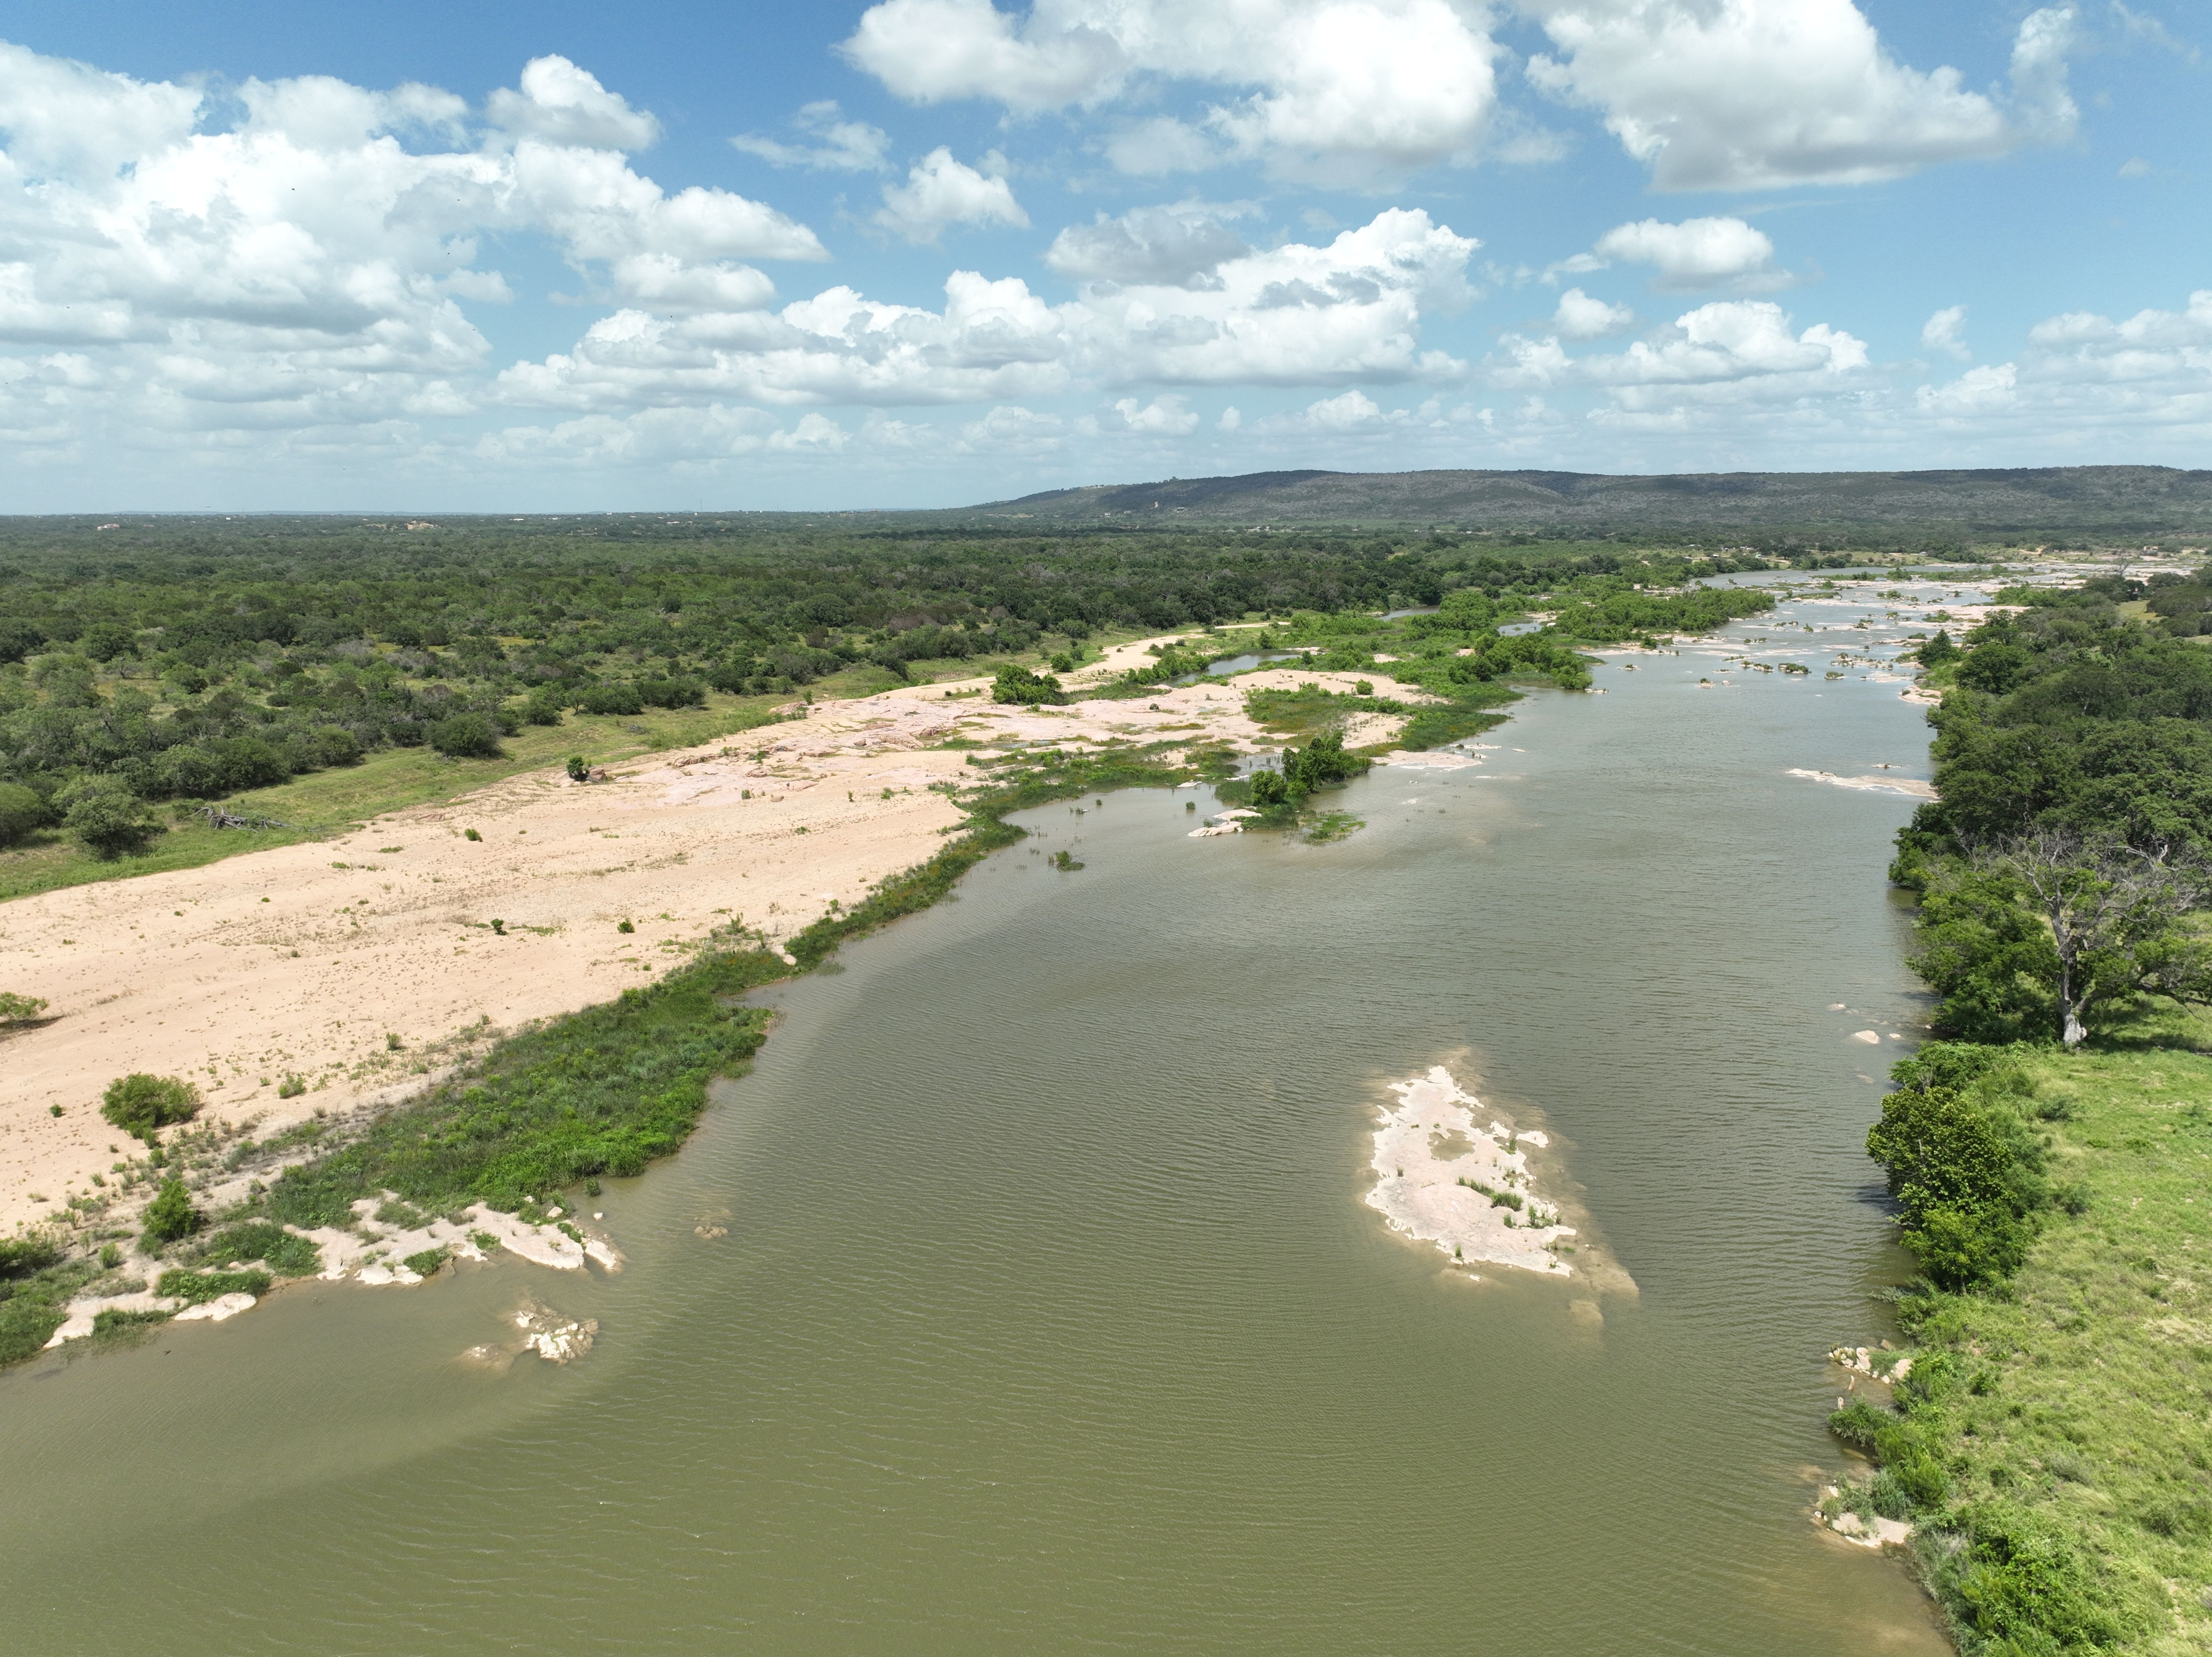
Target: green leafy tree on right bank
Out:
[2044,937]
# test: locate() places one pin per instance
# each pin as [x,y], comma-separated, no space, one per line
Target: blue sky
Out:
[923,252]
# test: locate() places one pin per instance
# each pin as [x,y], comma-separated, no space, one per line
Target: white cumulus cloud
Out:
[1749,94]
[1295,315]
[1338,92]
[1728,348]
[839,146]
[1977,392]
[1168,415]
[1581,317]
[1944,331]
[298,268]
[562,104]
[1165,246]
[1710,253]
[940,192]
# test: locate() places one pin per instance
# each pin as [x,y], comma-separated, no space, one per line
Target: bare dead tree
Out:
[218,818]
[2117,916]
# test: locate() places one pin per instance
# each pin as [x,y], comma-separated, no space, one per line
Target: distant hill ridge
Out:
[2013,501]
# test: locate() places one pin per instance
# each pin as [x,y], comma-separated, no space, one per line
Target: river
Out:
[1047,1315]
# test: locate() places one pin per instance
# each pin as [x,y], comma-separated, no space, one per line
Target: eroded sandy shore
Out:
[309,960]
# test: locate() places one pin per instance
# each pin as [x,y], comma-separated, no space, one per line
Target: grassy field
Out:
[325,802]
[2073,1413]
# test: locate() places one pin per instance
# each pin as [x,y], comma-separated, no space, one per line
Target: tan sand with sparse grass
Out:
[305,960]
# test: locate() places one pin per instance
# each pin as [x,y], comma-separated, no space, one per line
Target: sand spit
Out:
[1911,787]
[363,965]
[1445,1177]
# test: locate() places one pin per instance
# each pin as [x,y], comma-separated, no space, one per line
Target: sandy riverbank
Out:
[306,959]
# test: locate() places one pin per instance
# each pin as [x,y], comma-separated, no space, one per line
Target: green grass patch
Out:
[2051,1441]
[194,1287]
[1311,710]
[283,1253]
[425,1263]
[1470,713]
[116,1327]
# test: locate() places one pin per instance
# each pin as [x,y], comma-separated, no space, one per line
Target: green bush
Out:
[427,1263]
[1964,1168]
[21,811]
[142,1105]
[602,1091]
[112,1324]
[195,1287]
[21,1256]
[1319,763]
[578,770]
[18,1009]
[171,1215]
[283,1253]
[465,735]
[2021,1585]
[336,745]
[106,818]
[26,1326]
[611,699]
[1019,687]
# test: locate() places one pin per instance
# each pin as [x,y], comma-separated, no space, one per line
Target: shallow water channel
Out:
[1049,1316]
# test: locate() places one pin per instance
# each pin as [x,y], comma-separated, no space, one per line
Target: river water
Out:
[1048,1316]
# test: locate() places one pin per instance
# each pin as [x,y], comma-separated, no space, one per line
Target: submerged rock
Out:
[555,1339]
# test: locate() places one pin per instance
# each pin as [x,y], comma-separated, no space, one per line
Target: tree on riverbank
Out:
[2041,936]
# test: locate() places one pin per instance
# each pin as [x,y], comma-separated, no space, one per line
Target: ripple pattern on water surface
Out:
[1042,1316]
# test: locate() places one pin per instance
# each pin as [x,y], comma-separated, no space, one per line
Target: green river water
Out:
[1049,1317]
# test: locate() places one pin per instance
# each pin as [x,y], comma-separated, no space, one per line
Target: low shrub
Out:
[113,1324]
[142,1105]
[21,1256]
[283,1253]
[611,699]
[22,811]
[108,820]
[465,735]
[427,1263]
[194,1287]
[171,1215]
[26,1325]
[1020,688]
[2021,1584]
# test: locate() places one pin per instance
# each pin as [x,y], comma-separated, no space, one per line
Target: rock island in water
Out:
[1445,1179]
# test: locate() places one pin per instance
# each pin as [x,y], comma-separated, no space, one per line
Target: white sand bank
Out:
[1432,1154]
